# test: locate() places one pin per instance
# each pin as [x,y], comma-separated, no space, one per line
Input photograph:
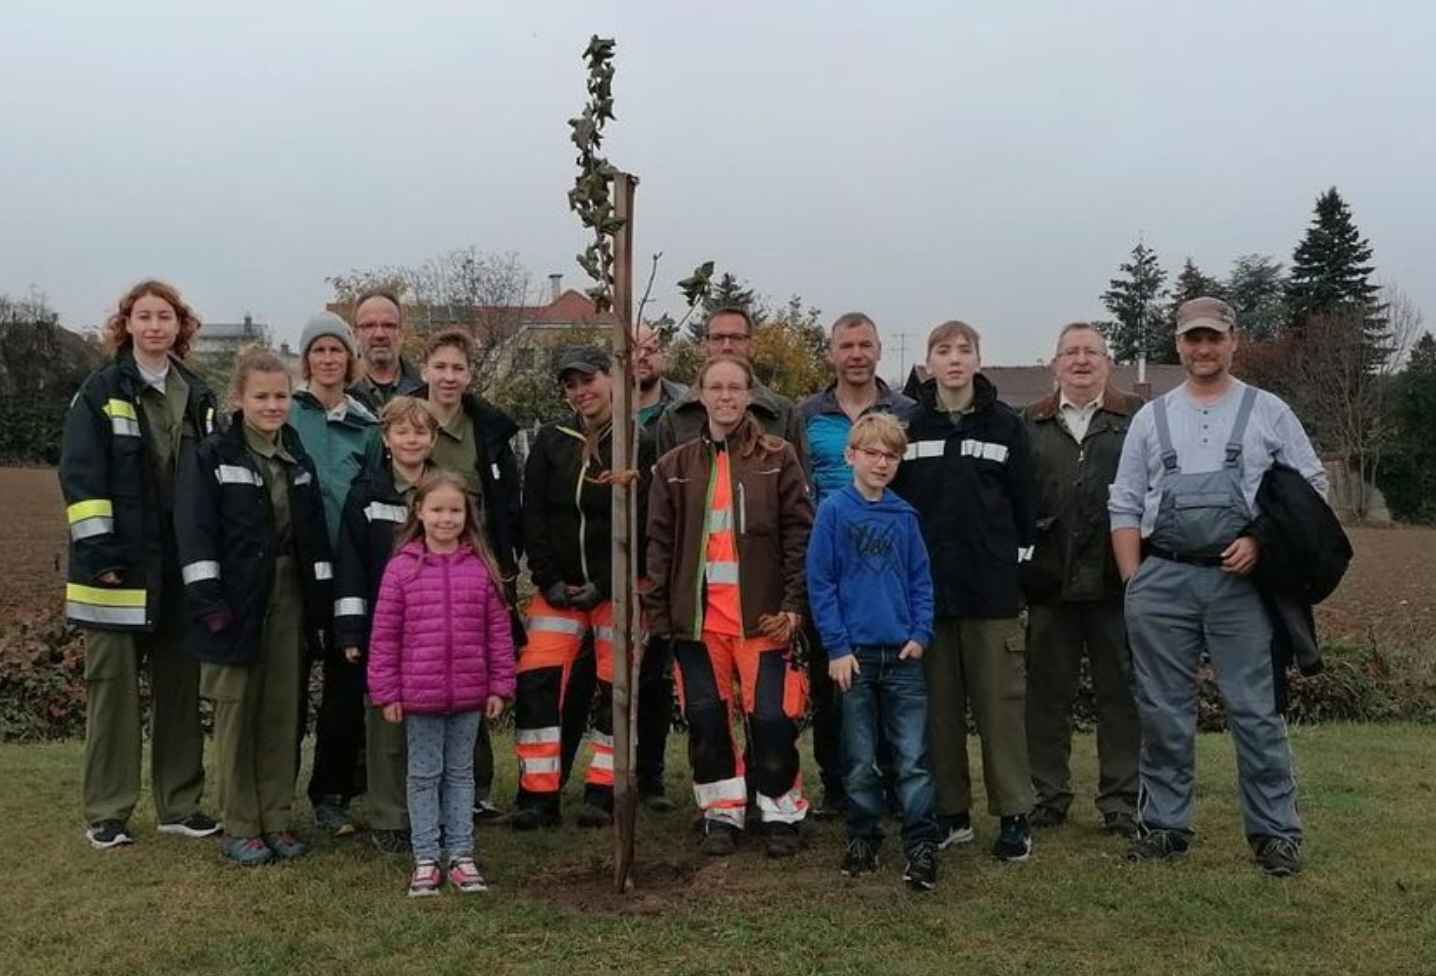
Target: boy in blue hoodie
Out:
[870,592]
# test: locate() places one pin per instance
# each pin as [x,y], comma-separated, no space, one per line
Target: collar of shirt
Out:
[155,380]
[264,447]
[1087,410]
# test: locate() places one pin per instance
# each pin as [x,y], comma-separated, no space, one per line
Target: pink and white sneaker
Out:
[464,875]
[425,880]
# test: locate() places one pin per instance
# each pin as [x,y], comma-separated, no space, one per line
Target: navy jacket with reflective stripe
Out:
[224,523]
[112,500]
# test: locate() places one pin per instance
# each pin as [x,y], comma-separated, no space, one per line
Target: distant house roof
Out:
[1019,386]
[568,308]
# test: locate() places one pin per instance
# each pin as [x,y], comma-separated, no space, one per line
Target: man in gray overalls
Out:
[1184,495]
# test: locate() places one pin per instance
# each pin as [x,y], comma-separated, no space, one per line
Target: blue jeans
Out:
[887,700]
[441,783]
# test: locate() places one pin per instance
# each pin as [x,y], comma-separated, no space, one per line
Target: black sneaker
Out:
[196,826]
[956,829]
[654,797]
[1014,841]
[104,834]
[861,857]
[719,839]
[1121,824]
[1045,817]
[332,817]
[1158,845]
[1279,857]
[783,839]
[486,810]
[920,872]
[394,842]
[532,818]
[591,815]
[833,807]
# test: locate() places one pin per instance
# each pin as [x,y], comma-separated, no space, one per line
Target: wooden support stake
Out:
[625,536]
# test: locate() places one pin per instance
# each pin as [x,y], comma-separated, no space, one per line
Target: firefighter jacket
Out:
[772,515]
[117,522]
[373,514]
[568,515]
[1072,558]
[970,480]
[227,546]
[498,471]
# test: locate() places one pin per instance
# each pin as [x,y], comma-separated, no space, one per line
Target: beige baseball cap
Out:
[1205,313]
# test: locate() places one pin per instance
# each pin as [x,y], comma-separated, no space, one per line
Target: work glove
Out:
[557,596]
[585,597]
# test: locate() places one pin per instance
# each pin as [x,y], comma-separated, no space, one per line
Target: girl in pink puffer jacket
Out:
[441,653]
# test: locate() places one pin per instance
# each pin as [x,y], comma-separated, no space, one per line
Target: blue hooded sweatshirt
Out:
[869,582]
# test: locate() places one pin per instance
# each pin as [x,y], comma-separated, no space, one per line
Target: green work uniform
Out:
[113,731]
[256,706]
[457,451]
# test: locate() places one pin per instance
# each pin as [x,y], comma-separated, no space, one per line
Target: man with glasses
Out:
[854,350]
[379,322]
[729,331]
[656,392]
[1074,594]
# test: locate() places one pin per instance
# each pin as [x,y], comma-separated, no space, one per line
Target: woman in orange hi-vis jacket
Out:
[728,523]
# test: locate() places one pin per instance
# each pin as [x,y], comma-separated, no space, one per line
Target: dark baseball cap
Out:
[586,359]
[1205,313]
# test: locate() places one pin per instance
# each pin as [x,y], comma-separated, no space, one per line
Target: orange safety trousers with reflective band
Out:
[773,698]
[723,608]
[555,638]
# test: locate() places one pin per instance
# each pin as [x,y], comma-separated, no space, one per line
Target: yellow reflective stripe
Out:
[94,508]
[120,408]
[102,597]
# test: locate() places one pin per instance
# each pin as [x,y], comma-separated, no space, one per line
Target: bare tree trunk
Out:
[625,535]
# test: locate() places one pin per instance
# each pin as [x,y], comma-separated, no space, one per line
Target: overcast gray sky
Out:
[919,161]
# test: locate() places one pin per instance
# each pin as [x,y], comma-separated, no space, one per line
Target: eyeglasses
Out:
[1082,351]
[722,337]
[875,455]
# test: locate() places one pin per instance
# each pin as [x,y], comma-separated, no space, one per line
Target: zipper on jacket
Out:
[448,638]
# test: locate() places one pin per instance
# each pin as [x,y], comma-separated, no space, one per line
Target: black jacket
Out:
[373,513]
[568,518]
[1072,558]
[225,526]
[502,500]
[113,502]
[1304,554]
[971,483]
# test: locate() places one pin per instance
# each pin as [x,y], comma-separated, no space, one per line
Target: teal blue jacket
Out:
[341,443]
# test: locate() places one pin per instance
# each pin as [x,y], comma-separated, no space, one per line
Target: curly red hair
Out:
[116,334]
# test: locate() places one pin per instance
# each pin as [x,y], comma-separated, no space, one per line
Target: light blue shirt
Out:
[1199,436]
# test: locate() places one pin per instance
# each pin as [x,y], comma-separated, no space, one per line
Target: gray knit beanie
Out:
[326,324]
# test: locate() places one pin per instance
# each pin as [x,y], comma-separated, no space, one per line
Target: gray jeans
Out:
[441,783]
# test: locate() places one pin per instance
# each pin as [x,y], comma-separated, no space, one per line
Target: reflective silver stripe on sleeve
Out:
[302,477]
[384,512]
[924,449]
[350,606]
[985,450]
[112,616]
[323,571]
[237,474]
[205,569]
[1024,554]
[557,625]
[721,574]
[87,528]
[603,634]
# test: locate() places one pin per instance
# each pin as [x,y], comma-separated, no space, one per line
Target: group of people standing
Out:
[374,520]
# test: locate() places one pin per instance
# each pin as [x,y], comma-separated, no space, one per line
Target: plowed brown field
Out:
[1389,594]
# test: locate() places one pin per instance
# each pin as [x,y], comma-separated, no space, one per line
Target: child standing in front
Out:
[870,590]
[441,656]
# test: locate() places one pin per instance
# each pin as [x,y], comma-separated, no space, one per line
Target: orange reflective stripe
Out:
[720,569]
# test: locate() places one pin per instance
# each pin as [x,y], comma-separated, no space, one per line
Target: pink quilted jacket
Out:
[441,640]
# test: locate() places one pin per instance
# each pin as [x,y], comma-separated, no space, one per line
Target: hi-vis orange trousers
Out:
[773,696]
[555,637]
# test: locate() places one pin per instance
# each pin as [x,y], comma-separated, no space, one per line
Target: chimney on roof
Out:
[248,322]
[555,286]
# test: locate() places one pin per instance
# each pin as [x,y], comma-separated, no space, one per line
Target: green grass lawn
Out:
[1366,903]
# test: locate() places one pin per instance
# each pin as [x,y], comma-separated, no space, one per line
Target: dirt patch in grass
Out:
[657,886]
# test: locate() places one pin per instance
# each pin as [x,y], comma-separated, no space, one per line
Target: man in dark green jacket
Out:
[1073,591]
